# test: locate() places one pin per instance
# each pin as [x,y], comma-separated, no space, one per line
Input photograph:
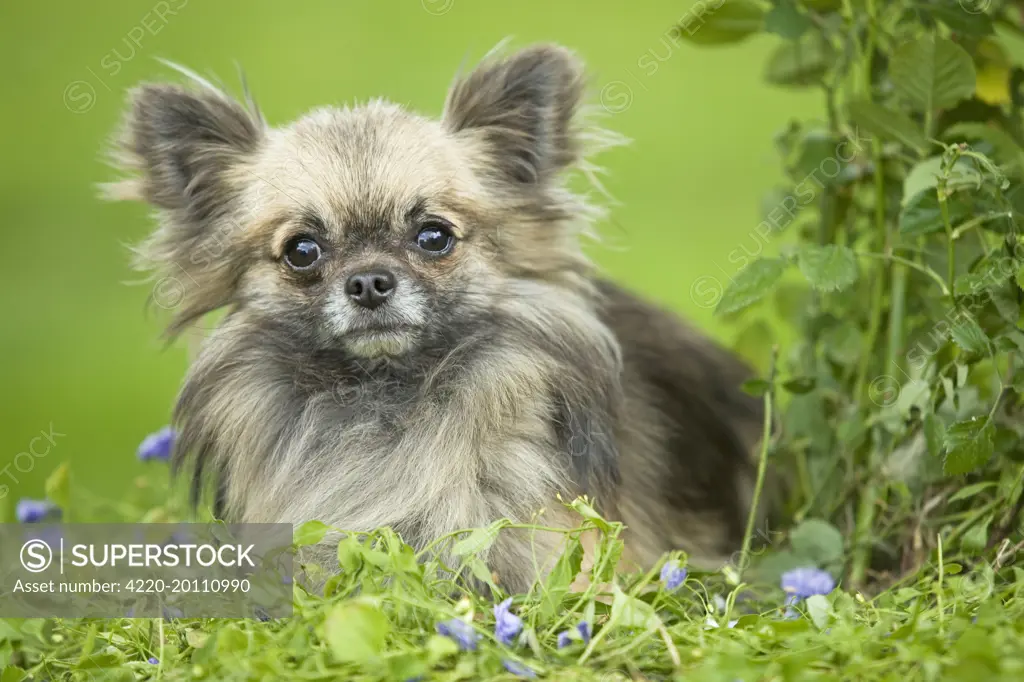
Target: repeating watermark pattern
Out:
[707,290]
[80,94]
[971,299]
[617,95]
[25,461]
[146,570]
[437,7]
[975,6]
[884,390]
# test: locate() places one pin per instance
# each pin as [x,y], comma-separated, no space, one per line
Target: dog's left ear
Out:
[522,108]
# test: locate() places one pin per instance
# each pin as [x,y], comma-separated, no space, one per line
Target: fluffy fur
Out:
[493,379]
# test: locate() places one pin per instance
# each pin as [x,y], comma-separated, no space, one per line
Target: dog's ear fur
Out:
[183,151]
[183,144]
[522,107]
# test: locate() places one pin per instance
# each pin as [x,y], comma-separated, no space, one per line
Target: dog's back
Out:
[687,435]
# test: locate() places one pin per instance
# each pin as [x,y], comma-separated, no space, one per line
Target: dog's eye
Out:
[302,253]
[435,238]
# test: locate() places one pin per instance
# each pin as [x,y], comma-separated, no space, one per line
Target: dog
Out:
[412,335]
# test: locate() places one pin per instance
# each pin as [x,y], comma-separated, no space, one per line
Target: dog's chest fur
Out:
[477,436]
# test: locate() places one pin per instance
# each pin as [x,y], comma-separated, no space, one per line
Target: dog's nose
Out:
[371,288]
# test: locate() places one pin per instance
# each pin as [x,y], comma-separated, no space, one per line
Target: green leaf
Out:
[732,22]
[958,16]
[968,446]
[479,540]
[231,641]
[197,639]
[932,73]
[799,63]
[925,176]
[310,533]
[827,268]
[582,507]
[13,674]
[58,486]
[800,385]
[1005,149]
[1019,278]
[975,539]
[990,274]
[934,434]
[751,284]
[887,124]
[770,567]
[971,490]
[439,648]
[407,666]
[356,631]
[923,215]
[817,541]
[786,20]
[818,609]
[560,579]
[755,387]
[630,612]
[969,335]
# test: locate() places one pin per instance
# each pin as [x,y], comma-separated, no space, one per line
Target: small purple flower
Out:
[565,638]
[34,511]
[673,575]
[517,668]
[801,583]
[460,631]
[170,612]
[157,445]
[507,624]
[153,660]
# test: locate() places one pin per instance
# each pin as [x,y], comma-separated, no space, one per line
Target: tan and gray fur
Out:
[495,376]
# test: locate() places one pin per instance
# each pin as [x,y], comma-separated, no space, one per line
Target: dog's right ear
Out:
[182,146]
[184,152]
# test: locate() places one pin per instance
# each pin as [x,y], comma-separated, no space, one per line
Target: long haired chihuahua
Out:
[412,334]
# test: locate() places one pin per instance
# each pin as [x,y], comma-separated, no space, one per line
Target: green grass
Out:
[954,618]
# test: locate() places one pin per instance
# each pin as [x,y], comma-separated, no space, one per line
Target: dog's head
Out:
[369,228]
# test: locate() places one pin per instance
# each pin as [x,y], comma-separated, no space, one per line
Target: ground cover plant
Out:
[893,551]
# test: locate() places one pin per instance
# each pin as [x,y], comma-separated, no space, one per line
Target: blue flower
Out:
[157,445]
[153,660]
[672,575]
[34,511]
[170,612]
[801,583]
[517,668]
[460,631]
[507,624]
[565,638]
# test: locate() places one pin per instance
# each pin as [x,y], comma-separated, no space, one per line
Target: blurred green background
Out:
[81,352]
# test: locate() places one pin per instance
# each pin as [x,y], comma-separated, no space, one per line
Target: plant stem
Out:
[762,464]
[865,516]
[951,262]
[923,269]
